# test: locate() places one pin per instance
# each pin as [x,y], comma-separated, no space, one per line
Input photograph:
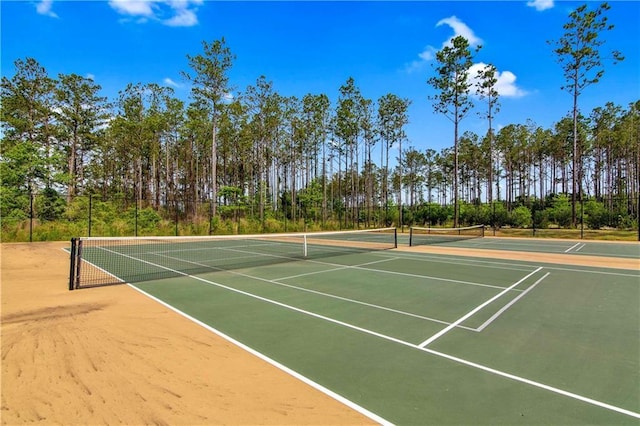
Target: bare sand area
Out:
[111,355]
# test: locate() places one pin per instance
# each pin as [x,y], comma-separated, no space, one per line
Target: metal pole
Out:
[135,232]
[90,210]
[30,216]
[176,223]
[581,218]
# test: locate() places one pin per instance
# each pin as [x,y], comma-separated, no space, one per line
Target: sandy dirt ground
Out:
[111,355]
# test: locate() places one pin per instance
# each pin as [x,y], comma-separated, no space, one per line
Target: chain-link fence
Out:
[554,216]
[50,216]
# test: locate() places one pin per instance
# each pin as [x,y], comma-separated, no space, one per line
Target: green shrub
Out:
[560,212]
[541,219]
[596,216]
[49,205]
[499,215]
[521,217]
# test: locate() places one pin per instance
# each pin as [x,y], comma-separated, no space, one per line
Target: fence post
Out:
[90,211]
[135,231]
[176,221]
[533,217]
[30,216]
[493,217]
[581,218]
[210,217]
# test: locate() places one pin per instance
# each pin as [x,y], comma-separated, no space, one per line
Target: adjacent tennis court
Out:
[405,337]
[469,238]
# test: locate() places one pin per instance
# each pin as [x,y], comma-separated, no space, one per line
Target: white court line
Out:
[508,305]
[572,247]
[343,267]
[373,333]
[463,318]
[304,379]
[521,266]
[382,271]
[333,296]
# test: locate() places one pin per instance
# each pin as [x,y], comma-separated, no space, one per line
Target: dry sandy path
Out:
[113,356]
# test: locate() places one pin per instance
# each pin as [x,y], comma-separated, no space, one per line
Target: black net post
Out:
[75,263]
[72,263]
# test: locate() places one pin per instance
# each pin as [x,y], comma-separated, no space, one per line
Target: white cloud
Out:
[91,77]
[183,18]
[506,84]
[173,13]
[170,82]
[429,52]
[459,29]
[44,8]
[132,7]
[425,57]
[541,5]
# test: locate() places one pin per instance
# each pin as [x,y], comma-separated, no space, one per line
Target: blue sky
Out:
[314,47]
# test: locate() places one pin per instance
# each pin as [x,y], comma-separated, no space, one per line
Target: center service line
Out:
[456,323]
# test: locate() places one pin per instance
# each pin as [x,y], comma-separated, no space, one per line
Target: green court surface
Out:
[410,338]
[630,250]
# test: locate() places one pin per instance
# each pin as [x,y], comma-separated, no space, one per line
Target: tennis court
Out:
[468,238]
[409,337]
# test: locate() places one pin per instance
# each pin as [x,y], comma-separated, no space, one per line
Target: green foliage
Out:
[471,214]
[431,214]
[596,216]
[560,212]
[520,217]
[408,217]
[499,214]
[13,203]
[49,205]
[541,219]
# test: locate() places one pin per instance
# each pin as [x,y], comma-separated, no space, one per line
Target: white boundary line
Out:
[392,339]
[508,305]
[273,362]
[472,312]
[337,265]
[333,296]
[379,335]
[572,247]
[457,260]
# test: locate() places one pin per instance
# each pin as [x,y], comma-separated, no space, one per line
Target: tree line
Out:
[261,154]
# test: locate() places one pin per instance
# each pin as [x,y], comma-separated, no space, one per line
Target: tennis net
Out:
[424,236]
[98,261]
